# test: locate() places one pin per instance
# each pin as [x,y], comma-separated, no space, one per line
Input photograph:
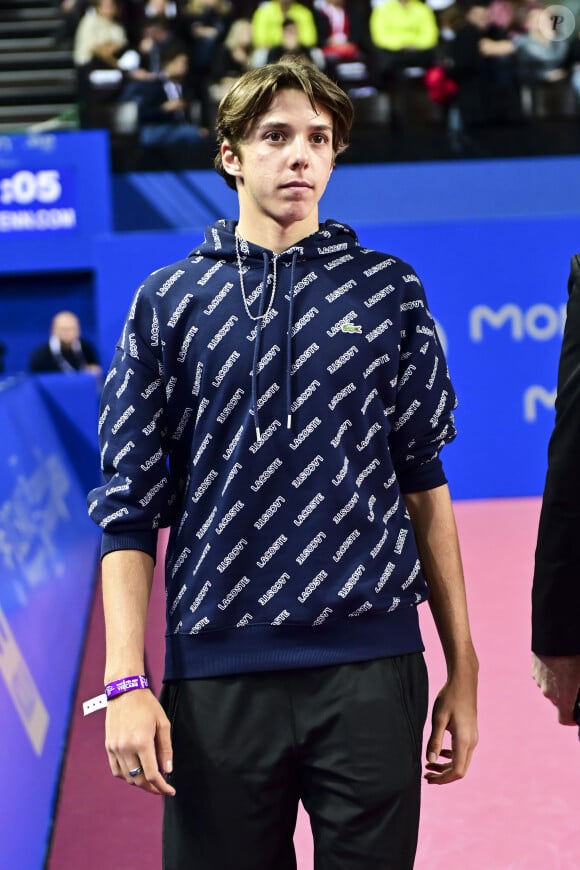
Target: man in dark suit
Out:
[164,104]
[66,350]
[556,584]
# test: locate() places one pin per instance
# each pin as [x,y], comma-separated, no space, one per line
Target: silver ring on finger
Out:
[135,771]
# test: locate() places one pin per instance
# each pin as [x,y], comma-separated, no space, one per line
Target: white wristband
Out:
[93,704]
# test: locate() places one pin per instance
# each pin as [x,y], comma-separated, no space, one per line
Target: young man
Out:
[279,399]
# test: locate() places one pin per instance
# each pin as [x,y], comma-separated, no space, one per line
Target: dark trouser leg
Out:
[236,801]
[345,739]
[361,762]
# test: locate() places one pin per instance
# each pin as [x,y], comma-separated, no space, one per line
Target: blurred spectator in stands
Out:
[334,30]
[540,58]
[483,63]
[100,38]
[507,15]
[267,23]
[359,14]
[450,17]
[156,33]
[205,25]
[66,350]
[573,62]
[292,47]
[233,58]
[103,56]
[165,105]
[208,22]
[161,22]
[346,61]
[405,35]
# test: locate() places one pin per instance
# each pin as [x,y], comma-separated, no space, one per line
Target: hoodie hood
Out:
[259,271]
[220,243]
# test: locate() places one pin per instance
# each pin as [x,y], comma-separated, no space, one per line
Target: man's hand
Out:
[138,735]
[455,710]
[558,678]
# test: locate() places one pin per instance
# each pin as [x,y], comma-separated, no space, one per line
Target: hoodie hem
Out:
[259,648]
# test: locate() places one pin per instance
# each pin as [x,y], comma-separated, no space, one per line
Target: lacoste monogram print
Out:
[300,525]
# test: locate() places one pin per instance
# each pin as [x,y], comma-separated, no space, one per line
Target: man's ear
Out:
[230,160]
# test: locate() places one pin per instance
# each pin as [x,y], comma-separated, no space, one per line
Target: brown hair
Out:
[252,94]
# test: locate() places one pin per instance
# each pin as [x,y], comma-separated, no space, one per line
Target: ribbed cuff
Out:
[423,477]
[144,541]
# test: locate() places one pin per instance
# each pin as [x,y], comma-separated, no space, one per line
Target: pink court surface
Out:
[517,809]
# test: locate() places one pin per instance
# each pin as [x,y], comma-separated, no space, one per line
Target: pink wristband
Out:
[127,684]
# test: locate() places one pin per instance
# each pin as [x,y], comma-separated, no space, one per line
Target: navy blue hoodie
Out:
[277,449]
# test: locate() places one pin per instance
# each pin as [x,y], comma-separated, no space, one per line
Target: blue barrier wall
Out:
[492,242]
[48,551]
[500,311]
[54,197]
[54,201]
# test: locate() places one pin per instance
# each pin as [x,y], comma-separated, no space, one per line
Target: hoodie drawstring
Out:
[289,344]
[258,341]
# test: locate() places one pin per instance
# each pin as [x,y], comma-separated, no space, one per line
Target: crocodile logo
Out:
[351,327]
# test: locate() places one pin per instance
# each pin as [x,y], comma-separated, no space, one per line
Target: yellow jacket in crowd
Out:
[267,24]
[400,24]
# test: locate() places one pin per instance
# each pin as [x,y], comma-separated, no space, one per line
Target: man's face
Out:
[290,36]
[66,328]
[479,16]
[176,68]
[285,160]
[108,8]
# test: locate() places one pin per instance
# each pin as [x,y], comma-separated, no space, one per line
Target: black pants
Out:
[344,740]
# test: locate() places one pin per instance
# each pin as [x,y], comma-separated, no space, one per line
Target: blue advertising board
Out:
[39,200]
[497,290]
[54,197]
[48,551]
